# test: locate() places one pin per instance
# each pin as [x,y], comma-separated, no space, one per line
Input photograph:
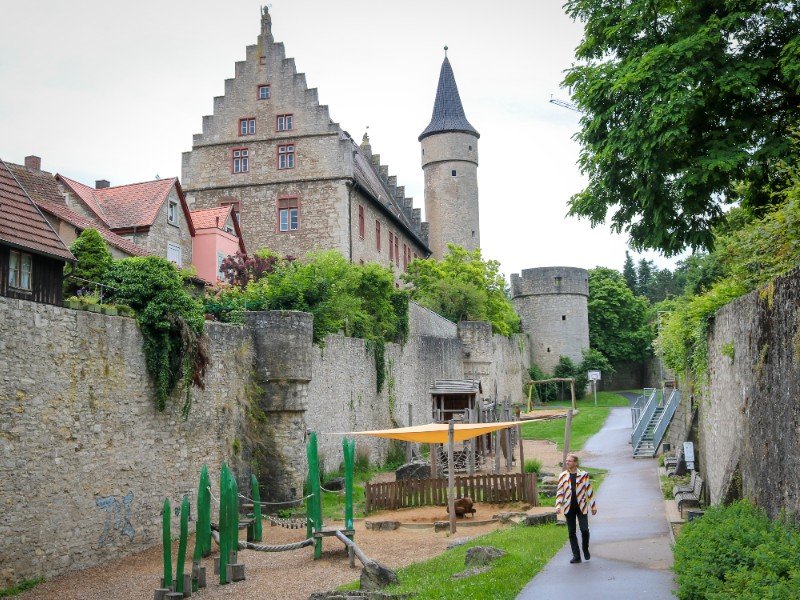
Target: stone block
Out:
[482,555]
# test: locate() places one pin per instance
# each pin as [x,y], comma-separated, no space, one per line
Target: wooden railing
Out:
[510,487]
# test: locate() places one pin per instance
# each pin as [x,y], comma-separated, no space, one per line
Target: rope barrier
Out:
[297,501]
[264,548]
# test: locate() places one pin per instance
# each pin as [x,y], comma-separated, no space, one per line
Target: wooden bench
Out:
[685,488]
[692,498]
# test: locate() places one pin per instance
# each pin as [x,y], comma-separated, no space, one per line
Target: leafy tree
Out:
[618,325]
[629,272]
[688,107]
[94,260]
[240,269]
[170,319]
[463,287]
[594,360]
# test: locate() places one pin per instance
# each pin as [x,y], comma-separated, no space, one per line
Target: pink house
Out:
[216,236]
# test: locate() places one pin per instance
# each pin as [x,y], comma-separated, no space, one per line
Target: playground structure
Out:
[226,532]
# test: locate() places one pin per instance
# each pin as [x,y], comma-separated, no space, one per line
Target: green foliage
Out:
[463,287]
[687,107]
[533,465]
[618,324]
[170,320]
[629,272]
[542,392]
[22,586]
[736,551]
[94,261]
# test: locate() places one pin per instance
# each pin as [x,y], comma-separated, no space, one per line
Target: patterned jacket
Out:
[583,487]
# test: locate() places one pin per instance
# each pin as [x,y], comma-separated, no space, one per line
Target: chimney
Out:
[102,184]
[34,163]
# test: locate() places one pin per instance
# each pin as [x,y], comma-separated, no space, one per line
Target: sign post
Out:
[594,377]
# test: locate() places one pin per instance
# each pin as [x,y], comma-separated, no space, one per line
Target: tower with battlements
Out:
[450,162]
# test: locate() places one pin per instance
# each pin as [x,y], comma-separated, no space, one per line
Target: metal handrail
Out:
[644,419]
[664,419]
[638,406]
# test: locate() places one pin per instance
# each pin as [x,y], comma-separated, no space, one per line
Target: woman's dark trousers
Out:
[583,522]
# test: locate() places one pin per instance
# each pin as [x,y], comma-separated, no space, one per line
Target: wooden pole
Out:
[521,450]
[567,433]
[572,391]
[451,492]
[434,466]
[509,447]
[409,445]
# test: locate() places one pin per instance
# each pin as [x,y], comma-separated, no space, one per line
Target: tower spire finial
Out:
[445,50]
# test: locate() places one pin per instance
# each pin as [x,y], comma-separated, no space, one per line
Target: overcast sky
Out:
[114,90]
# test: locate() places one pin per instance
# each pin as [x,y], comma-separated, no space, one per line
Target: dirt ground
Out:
[291,575]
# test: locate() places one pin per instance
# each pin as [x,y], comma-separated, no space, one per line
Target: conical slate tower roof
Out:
[448,114]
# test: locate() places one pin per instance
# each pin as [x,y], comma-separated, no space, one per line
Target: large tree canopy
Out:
[688,106]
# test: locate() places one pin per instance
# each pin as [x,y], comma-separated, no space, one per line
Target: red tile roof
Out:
[21,223]
[127,206]
[81,222]
[215,218]
[40,185]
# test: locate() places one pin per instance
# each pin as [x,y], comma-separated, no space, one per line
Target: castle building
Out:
[450,162]
[553,306]
[297,180]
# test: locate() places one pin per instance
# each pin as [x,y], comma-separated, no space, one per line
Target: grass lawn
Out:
[528,550]
[585,424]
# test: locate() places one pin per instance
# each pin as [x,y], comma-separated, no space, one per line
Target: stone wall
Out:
[748,423]
[85,459]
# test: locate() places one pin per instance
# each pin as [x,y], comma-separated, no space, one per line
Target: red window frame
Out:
[284,119]
[391,246]
[289,152]
[247,126]
[287,203]
[361,221]
[396,250]
[405,257]
[261,86]
[243,159]
[377,235]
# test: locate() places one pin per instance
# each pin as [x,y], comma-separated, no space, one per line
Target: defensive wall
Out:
[86,460]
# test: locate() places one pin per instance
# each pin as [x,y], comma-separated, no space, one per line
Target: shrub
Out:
[94,261]
[736,551]
[170,320]
[533,465]
[543,392]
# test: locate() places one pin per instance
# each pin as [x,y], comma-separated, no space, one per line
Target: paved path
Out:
[630,542]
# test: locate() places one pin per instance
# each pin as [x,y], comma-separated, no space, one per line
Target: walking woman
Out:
[574,496]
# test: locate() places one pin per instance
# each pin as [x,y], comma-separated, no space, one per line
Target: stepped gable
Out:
[21,222]
[374,177]
[448,112]
[131,205]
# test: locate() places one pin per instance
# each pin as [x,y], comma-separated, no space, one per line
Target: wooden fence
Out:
[510,487]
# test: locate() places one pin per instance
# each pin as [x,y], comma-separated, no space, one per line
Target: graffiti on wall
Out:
[118,517]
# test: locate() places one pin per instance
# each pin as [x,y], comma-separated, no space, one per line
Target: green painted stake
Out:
[182,545]
[202,542]
[309,505]
[166,538]
[315,491]
[233,518]
[224,517]
[348,448]
[254,531]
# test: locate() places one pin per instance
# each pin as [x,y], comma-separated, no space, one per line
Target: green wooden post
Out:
[348,448]
[316,499]
[224,516]
[309,505]
[233,508]
[202,542]
[182,544]
[255,494]
[166,538]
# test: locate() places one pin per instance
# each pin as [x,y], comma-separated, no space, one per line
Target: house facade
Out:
[298,180]
[216,237]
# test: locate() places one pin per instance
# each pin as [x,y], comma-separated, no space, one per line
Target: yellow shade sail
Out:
[436,433]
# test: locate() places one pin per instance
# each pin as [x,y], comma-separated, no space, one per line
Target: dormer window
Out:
[285,123]
[172,212]
[263,92]
[247,126]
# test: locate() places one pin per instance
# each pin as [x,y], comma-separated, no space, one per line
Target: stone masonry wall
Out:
[85,459]
[748,423]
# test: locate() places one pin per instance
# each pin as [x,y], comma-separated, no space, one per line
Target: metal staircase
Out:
[650,421]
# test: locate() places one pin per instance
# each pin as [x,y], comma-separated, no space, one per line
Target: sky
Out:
[115,90]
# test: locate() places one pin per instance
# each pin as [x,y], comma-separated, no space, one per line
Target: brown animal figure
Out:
[463,507]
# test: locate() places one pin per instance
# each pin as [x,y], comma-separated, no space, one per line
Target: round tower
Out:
[450,162]
[553,306]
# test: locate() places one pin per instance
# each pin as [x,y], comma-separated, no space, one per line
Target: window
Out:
[361,222]
[20,270]
[377,235]
[220,259]
[247,126]
[263,92]
[405,257]
[396,250]
[557,280]
[172,212]
[391,247]
[229,226]
[286,156]
[241,160]
[453,172]
[174,254]
[563,317]
[285,123]
[288,214]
